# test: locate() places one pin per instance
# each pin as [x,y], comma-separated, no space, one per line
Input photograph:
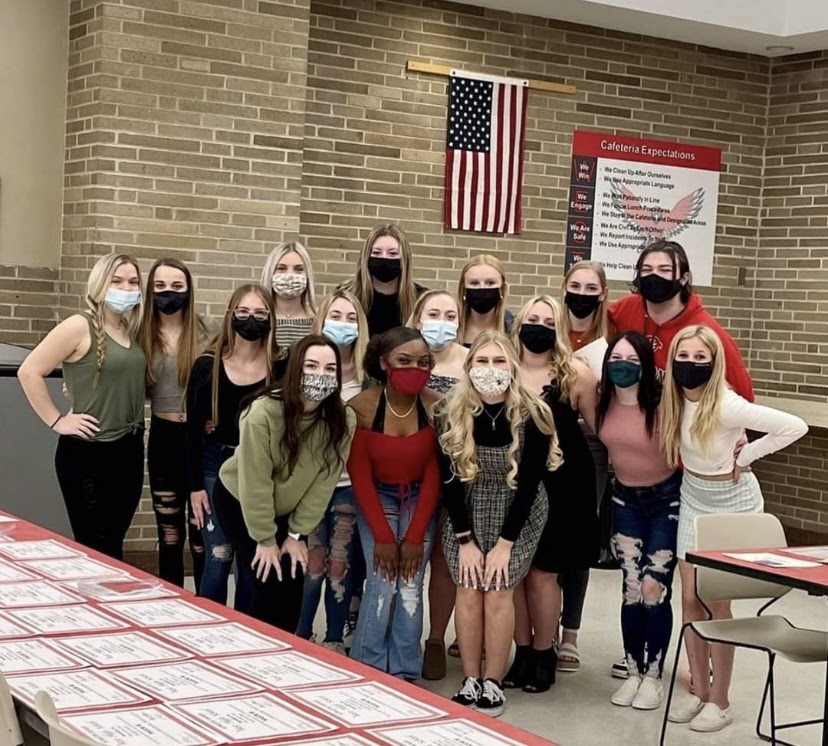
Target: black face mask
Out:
[658,289]
[170,301]
[582,305]
[250,329]
[384,270]
[482,300]
[537,338]
[690,375]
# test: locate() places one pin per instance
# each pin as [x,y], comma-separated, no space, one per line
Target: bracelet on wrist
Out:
[52,426]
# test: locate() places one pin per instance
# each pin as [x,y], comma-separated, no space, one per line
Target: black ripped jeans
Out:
[167,466]
[101,484]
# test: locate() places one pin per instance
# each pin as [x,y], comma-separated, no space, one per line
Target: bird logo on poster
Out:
[654,222]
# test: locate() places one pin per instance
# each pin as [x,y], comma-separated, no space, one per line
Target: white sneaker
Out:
[685,710]
[650,694]
[712,718]
[625,696]
[335,647]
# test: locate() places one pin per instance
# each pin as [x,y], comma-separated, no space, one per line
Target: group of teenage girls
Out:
[343,444]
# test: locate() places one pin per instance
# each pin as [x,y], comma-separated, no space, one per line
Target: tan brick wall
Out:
[27,303]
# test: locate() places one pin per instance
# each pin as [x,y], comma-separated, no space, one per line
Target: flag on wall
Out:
[484,152]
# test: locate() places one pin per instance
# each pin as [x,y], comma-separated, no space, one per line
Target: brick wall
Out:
[27,303]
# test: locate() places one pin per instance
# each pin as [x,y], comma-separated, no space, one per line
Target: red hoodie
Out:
[630,315]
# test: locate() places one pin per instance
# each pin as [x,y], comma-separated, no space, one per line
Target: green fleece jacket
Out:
[255,473]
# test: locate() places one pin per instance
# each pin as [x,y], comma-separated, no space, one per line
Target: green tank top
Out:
[117,401]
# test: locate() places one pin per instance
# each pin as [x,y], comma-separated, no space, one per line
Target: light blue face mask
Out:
[438,334]
[340,333]
[121,301]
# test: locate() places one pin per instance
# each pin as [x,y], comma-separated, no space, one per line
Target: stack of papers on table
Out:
[771,560]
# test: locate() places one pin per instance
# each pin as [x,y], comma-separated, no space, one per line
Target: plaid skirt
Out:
[702,496]
[488,499]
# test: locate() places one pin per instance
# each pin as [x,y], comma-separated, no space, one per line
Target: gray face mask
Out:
[317,387]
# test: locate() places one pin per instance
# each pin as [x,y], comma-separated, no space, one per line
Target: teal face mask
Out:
[340,333]
[623,373]
[438,334]
[121,301]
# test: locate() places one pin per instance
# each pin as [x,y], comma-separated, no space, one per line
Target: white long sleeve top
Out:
[736,416]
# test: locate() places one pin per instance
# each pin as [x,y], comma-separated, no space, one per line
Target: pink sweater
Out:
[636,457]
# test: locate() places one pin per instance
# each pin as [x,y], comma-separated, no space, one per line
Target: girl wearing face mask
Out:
[435,316]
[100,453]
[384,284]
[569,388]
[243,359]
[273,491]
[289,272]
[497,441]
[664,303]
[482,292]
[703,423]
[334,544]
[172,335]
[645,511]
[393,468]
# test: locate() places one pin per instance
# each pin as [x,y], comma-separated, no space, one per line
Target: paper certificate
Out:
[27,656]
[13,628]
[75,690]
[161,613]
[56,619]
[120,589]
[454,732]
[365,704]
[8,519]
[10,573]
[349,739]
[35,593]
[31,550]
[175,682]
[222,639]
[121,649]
[247,718]
[285,670]
[73,568]
[139,727]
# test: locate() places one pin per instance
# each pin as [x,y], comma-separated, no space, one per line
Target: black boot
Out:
[521,668]
[543,673]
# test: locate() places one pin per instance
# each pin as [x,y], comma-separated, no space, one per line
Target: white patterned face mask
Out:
[488,381]
[317,386]
[289,284]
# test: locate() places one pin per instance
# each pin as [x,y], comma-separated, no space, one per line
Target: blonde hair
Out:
[560,356]
[456,413]
[600,320]
[417,311]
[465,311]
[308,298]
[362,326]
[362,287]
[226,339]
[100,278]
[707,416]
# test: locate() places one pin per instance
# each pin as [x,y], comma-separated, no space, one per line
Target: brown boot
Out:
[434,660]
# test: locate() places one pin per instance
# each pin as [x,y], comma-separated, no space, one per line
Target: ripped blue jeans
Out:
[645,527]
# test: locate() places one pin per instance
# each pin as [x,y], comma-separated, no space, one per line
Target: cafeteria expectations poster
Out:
[627,192]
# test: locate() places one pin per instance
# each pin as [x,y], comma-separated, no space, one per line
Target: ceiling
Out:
[771,28]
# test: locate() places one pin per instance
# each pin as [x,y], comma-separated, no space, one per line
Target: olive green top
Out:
[255,473]
[117,401]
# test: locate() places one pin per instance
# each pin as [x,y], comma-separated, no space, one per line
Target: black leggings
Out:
[101,484]
[167,466]
[275,602]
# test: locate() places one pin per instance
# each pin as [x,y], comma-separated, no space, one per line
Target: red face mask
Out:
[409,381]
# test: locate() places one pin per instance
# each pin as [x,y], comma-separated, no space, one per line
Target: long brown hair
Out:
[226,339]
[330,413]
[194,335]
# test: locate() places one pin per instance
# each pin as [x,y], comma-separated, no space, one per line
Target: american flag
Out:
[484,152]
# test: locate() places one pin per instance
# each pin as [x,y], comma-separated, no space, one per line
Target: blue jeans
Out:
[337,535]
[391,615]
[218,550]
[645,525]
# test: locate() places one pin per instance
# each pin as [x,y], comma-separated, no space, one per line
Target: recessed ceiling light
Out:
[779,49]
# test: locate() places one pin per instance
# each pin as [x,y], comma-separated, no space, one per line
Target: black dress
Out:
[570,539]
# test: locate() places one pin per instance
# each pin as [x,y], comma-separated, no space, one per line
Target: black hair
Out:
[649,391]
[681,264]
[382,345]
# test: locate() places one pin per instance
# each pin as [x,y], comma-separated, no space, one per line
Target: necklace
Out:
[494,419]
[397,414]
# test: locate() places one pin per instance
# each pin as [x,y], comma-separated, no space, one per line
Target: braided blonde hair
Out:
[100,278]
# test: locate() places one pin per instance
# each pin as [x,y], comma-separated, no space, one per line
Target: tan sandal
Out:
[569,659]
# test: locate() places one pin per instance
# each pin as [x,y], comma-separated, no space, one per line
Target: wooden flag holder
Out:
[537,85]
